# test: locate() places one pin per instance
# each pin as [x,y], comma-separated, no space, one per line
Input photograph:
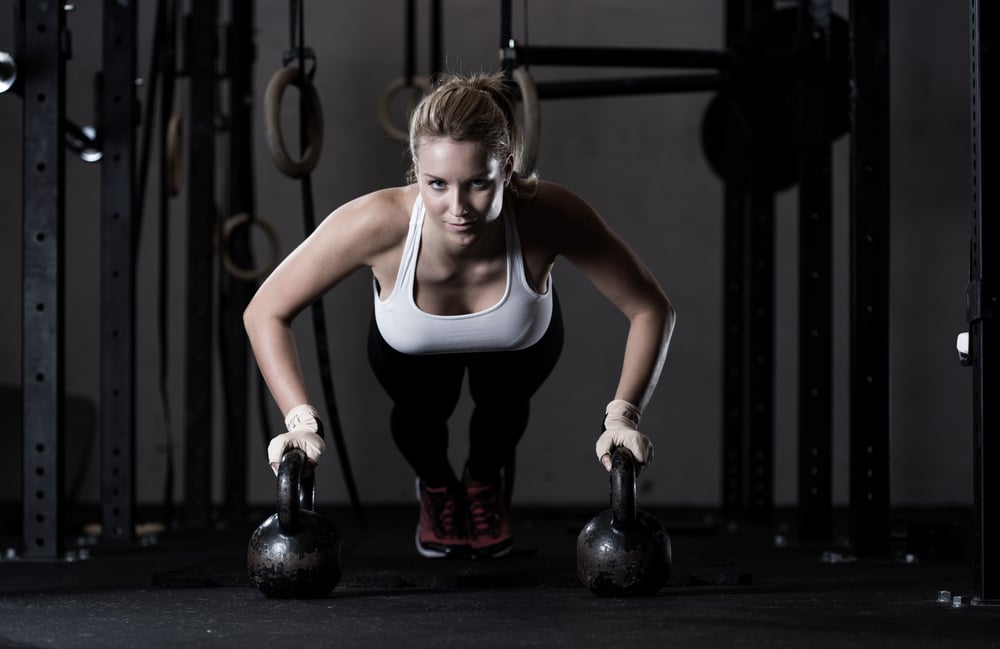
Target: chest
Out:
[449,288]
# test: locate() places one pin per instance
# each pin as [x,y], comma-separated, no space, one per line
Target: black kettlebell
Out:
[296,552]
[623,551]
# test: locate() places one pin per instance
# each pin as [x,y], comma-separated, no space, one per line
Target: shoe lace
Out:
[441,508]
[483,511]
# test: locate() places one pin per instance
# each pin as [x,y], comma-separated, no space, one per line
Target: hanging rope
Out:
[162,70]
[174,149]
[299,67]
[415,86]
[531,111]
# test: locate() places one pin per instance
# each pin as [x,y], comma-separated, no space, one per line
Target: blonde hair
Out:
[473,108]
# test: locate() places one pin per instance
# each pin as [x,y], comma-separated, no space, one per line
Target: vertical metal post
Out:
[437,39]
[982,298]
[734,382]
[815,497]
[747,429]
[870,352]
[734,298]
[42,64]
[118,121]
[759,319]
[506,23]
[410,42]
[201,63]
[507,53]
[760,356]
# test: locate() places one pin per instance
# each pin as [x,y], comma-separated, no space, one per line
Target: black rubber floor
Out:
[750,588]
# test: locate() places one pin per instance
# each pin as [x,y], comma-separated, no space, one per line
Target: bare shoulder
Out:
[557,217]
[383,210]
[555,205]
[555,200]
[373,222]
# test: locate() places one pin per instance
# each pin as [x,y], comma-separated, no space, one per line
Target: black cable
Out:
[155,65]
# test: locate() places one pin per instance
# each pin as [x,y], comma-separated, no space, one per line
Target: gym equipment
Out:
[8,72]
[81,140]
[531,124]
[415,87]
[295,553]
[242,220]
[299,67]
[623,551]
[311,113]
[410,84]
[981,300]
[760,93]
[173,159]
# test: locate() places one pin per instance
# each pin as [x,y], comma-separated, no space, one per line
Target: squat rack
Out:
[748,225]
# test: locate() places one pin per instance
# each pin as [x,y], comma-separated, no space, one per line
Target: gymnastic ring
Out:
[230,226]
[531,120]
[313,117]
[174,153]
[423,84]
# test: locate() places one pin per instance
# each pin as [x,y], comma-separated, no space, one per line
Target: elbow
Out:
[249,316]
[261,319]
[665,310]
[253,316]
[670,316]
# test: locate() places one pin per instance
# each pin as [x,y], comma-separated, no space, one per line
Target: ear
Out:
[508,169]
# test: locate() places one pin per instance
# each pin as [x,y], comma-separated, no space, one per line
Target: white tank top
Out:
[518,320]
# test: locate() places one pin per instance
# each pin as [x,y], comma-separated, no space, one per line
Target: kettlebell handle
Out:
[290,490]
[622,488]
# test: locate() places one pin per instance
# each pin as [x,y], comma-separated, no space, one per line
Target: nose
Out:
[458,203]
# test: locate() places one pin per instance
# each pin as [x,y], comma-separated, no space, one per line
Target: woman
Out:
[461,260]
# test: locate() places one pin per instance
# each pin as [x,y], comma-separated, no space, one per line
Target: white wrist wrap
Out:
[621,423]
[302,417]
[622,414]
[303,433]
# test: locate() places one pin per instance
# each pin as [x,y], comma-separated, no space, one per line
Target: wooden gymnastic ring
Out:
[174,154]
[531,119]
[417,83]
[313,117]
[240,220]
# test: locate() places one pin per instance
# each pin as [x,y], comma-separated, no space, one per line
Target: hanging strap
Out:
[163,66]
[303,56]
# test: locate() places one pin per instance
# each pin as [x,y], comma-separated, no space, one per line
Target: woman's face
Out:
[461,185]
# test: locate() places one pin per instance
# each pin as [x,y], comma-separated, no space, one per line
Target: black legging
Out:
[424,390]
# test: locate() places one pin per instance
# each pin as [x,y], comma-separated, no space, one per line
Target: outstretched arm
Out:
[616,271]
[345,241]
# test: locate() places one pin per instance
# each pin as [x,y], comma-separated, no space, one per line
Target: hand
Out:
[621,425]
[305,431]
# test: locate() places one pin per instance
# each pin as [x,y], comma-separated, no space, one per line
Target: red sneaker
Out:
[488,521]
[441,530]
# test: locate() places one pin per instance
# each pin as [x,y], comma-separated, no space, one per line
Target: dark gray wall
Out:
[638,160]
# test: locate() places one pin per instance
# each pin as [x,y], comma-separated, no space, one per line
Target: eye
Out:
[436,184]
[479,183]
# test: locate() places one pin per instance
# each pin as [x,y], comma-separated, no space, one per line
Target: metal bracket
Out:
[978,305]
